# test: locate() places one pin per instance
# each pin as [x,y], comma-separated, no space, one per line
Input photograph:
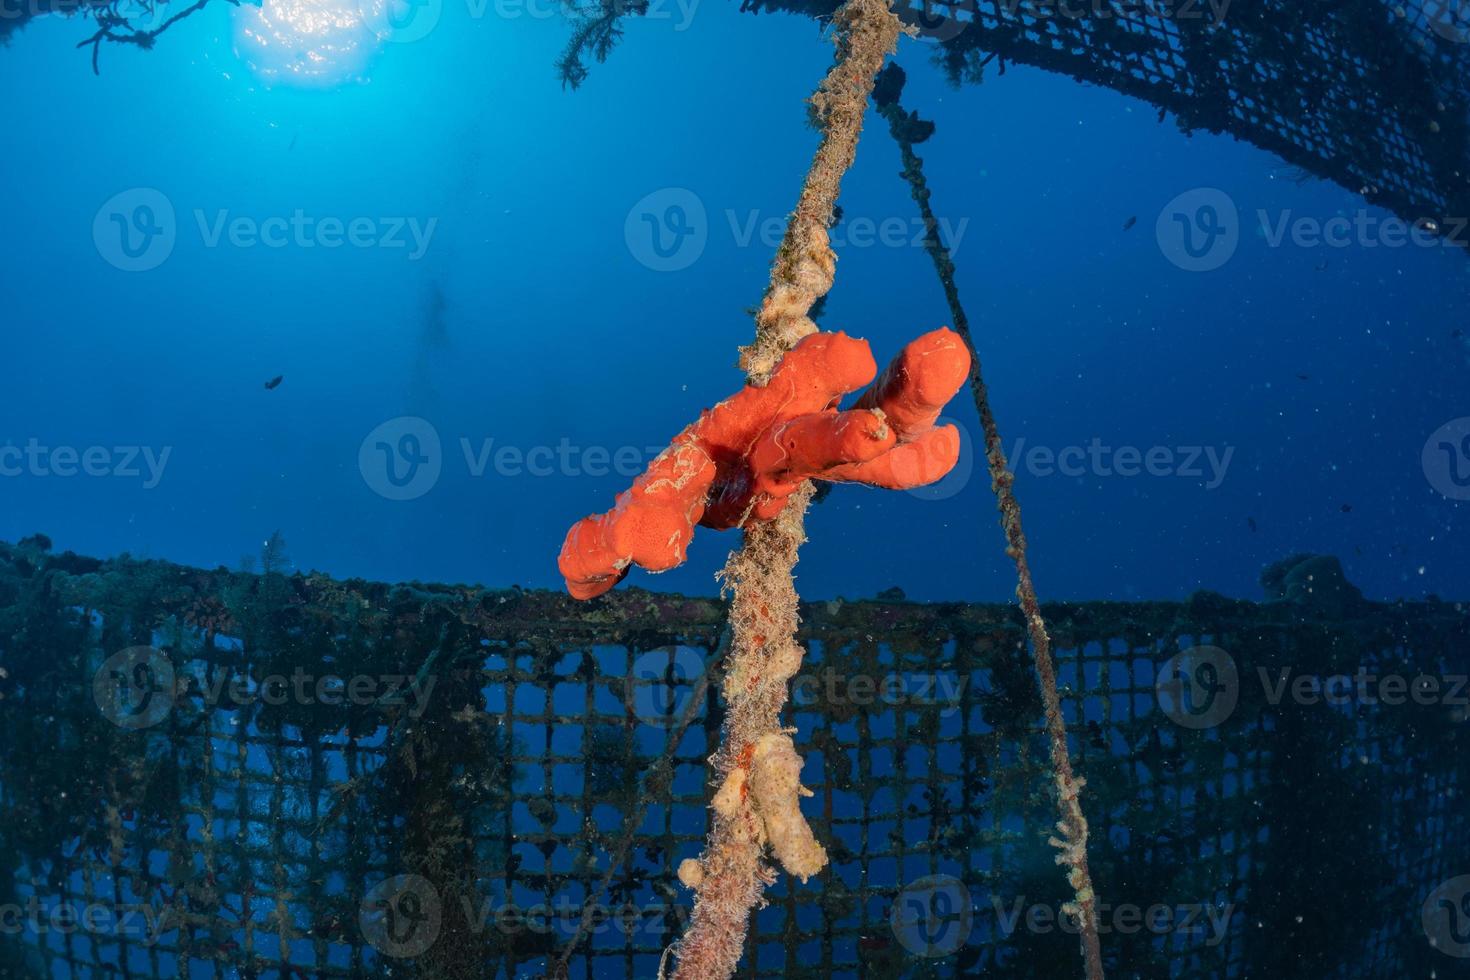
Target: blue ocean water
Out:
[555,281]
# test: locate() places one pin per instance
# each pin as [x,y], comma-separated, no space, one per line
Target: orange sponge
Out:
[744,457]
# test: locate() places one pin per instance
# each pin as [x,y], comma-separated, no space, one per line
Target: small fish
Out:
[1251,523]
[1130,222]
[1457,334]
[275,382]
[1347,508]
[1304,377]
[1322,266]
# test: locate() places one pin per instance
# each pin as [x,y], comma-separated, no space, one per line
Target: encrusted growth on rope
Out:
[867,32]
[763,801]
[1071,839]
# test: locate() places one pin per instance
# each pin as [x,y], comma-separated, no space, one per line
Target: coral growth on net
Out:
[744,458]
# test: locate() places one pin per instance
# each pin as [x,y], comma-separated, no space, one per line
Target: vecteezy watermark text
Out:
[1362,230]
[301,230]
[1207,463]
[35,459]
[1202,229]
[139,687]
[138,229]
[1192,920]
[911,689]
[669,229]
[40,917]
[402,916]
[403,459]
[1200,688]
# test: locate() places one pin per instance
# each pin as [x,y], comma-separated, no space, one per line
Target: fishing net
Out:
[470,783]
[212,774]
[1374,96]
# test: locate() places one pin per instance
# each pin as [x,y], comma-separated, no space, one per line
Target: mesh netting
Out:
[507,781]
[1373,95]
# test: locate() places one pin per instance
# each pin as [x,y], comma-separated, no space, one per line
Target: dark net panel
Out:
[1371,94]
[527,813]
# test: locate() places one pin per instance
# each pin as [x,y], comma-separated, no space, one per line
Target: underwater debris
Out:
[744,458]
[1312,582]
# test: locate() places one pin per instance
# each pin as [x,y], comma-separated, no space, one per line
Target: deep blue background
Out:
[554,330]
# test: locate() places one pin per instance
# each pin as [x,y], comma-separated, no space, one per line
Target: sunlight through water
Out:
[310,42]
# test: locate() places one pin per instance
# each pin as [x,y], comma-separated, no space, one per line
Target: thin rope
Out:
[1072,826]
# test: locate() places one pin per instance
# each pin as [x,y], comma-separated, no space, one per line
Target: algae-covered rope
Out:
[756,764]
[906,130]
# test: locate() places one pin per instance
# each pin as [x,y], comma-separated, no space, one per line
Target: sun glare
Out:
[310,42]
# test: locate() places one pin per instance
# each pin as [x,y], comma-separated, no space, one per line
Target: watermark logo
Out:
[135,231]
[1199,687]
[910,689]
[401,459]
[1199,231]
[957,478]
[667,231]
[143,463]
[938,23]
[1446,917]
[138,687]
[306,231]
[663,681]
[1446,459]
[135,688]
[1208,464]
[401,21]
[768,232]
[1364,688]
[1450,19]
[1363,229]
[45,919]
[933,916]
[565,918]
[401,917]
[1192,921]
